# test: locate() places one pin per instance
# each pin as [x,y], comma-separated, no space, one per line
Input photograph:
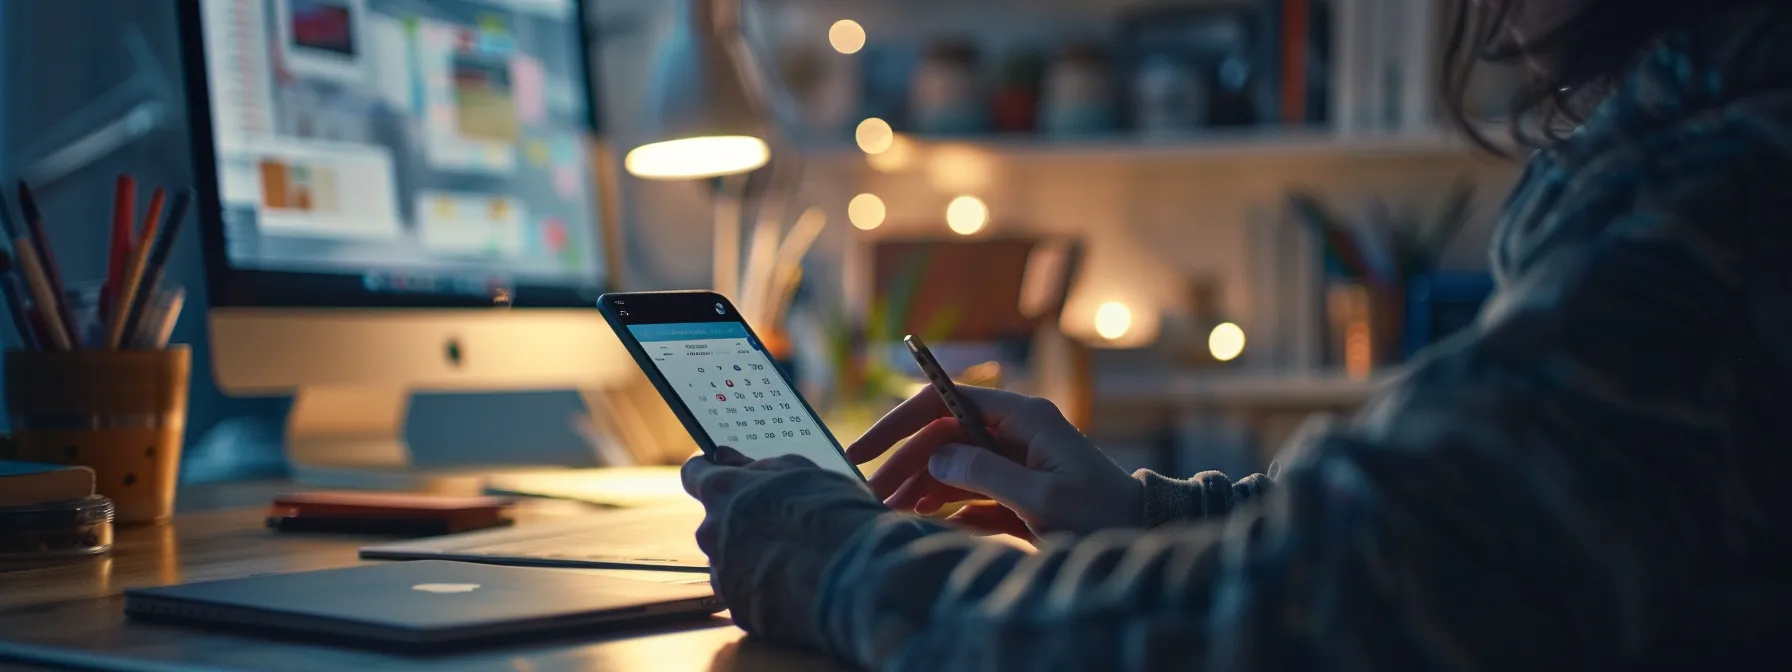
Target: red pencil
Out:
[124,207]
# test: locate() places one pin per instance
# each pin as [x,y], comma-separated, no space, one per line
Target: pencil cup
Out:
[122,412]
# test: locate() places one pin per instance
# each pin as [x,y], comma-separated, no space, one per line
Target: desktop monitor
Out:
[397,196]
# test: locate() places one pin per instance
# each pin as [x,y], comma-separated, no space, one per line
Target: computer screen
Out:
[426,147]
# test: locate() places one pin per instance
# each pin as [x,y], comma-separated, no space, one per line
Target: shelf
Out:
[1254,144]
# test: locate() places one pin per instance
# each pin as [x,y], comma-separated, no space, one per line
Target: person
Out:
[1592,476]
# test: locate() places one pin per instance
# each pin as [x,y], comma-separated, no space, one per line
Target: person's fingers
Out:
[1017,418]
[990,518]
[909,496]
[941,496]
[924,494]
[729,457]
[707,481]
[911,458]
[926,406]
[706,536]
[780,463]
[982,471]
[907,418]
[692,473]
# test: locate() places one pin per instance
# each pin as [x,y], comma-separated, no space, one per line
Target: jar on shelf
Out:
[1079,94]
[948,95]
[1015,106]
[1169,96]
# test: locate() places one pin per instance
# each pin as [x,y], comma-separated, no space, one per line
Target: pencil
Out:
[54,334]
[150,277]
[57,309]
[15,303]
[124,205]
[132,279]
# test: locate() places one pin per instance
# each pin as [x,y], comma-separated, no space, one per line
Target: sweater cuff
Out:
[1209,494]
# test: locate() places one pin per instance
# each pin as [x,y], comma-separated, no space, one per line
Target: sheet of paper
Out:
[528,86]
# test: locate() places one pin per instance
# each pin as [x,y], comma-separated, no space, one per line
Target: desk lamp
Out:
[706,102]
[708,118]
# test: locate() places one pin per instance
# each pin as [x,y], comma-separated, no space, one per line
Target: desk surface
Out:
[74,613]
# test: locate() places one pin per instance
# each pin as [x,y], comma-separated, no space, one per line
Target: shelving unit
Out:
[1245,144]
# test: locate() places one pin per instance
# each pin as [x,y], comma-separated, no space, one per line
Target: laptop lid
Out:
[421,602]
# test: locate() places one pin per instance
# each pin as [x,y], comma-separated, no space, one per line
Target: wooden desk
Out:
[73,614]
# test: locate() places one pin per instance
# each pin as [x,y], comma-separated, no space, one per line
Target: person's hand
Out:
[769,528]
[1045,476]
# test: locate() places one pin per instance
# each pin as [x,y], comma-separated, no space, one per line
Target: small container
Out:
[1015,106]
[949,95]
[57,530]
[1169,97]
[1079,94]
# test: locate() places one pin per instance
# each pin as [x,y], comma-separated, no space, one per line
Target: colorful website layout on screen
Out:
[735,391]
[443,138]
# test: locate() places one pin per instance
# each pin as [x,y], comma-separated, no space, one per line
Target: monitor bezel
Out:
[231,287]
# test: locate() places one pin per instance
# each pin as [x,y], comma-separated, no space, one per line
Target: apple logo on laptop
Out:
[445,588]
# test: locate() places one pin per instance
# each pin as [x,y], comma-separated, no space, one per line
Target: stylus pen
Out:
[15,303]
[57,309]
[157,262]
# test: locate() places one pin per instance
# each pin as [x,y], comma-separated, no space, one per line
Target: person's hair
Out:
[1568,70]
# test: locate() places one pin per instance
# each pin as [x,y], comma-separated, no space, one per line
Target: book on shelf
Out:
[31,483]
[1385,65]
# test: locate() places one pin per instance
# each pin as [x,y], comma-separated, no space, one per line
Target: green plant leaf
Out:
[940,324]
[877,321]
[902,297]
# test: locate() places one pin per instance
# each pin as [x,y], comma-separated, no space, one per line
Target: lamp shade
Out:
[706,102]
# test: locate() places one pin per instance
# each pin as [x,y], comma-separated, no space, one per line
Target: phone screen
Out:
[733,389]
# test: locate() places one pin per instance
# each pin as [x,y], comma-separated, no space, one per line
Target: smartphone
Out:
[969,418]
[718,378]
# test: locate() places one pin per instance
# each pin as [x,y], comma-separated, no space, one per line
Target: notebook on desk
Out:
[657,537]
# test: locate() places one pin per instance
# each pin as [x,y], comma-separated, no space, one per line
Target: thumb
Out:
[987,473]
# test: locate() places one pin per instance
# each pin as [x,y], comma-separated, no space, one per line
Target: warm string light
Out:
[1112,320]
[847,36]
[875,136]
[1226,342]
[866,212]
[967,215]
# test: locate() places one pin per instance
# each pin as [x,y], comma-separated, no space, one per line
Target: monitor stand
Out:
[353,438]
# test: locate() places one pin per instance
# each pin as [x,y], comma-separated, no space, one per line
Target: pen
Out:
[56,308]
[15,303]
[155,264]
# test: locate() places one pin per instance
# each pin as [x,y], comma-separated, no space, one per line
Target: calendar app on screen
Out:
[733,388]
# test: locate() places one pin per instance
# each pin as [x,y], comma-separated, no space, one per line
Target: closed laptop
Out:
[423,603]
